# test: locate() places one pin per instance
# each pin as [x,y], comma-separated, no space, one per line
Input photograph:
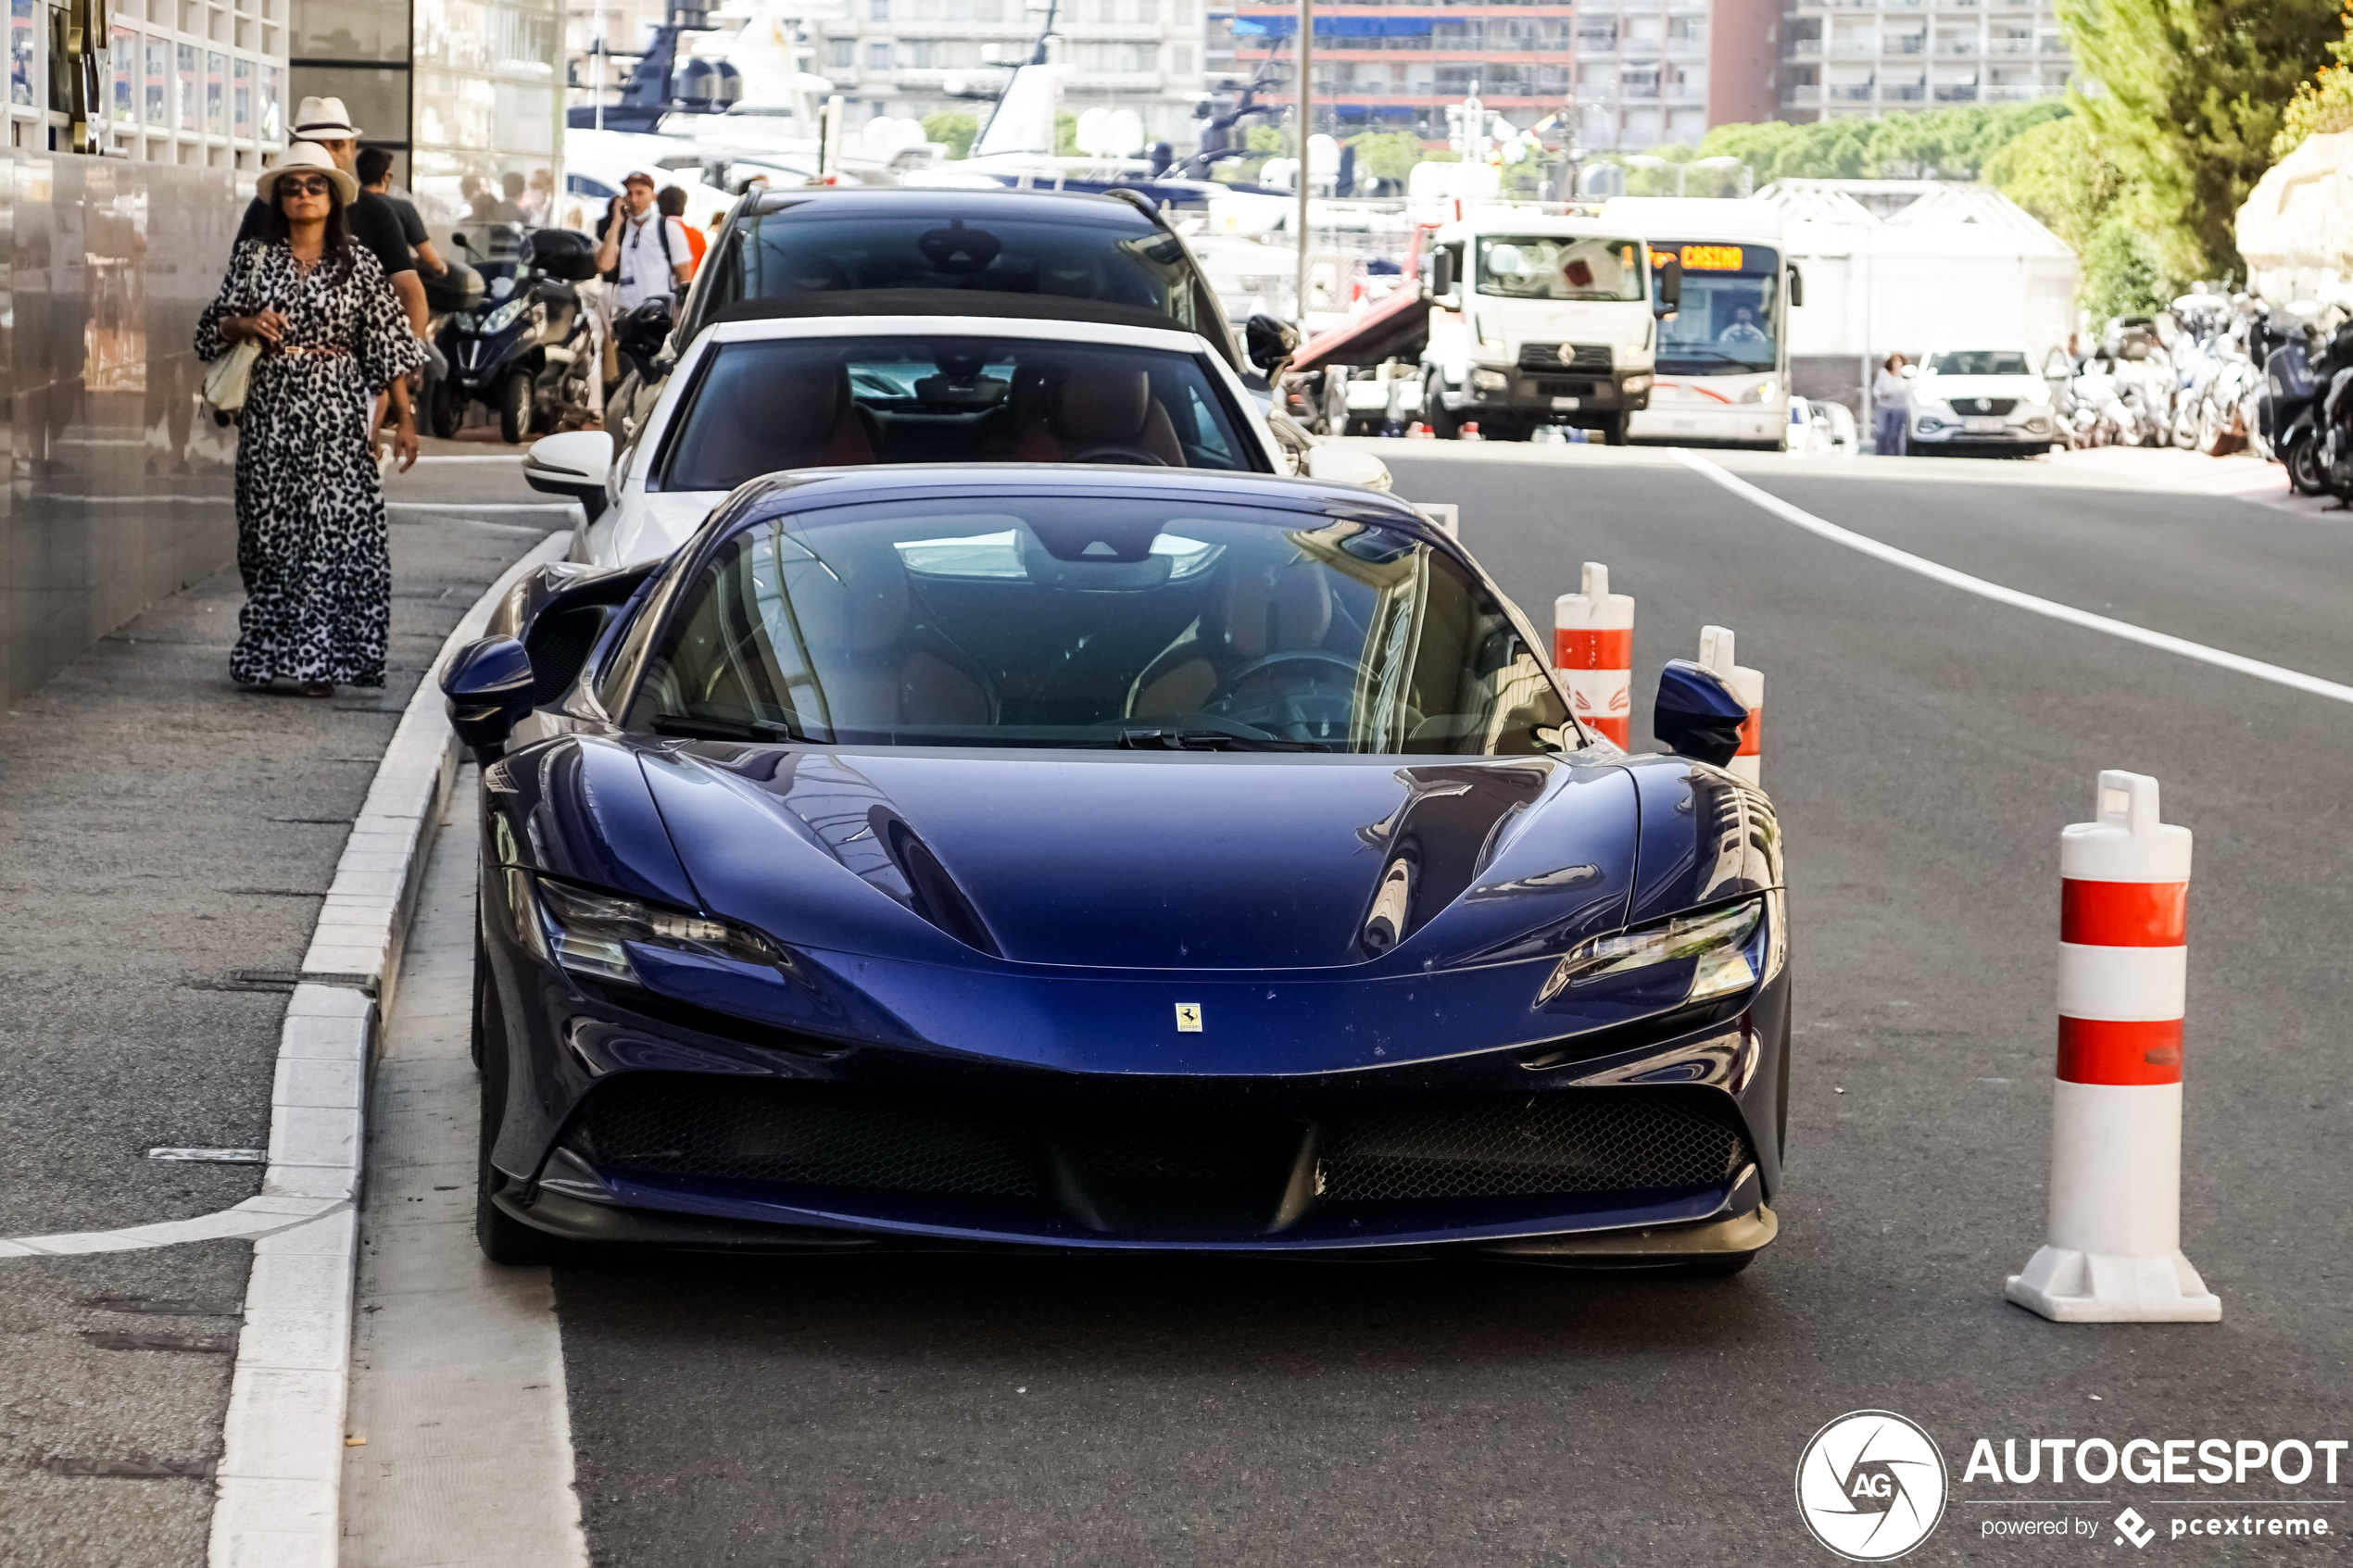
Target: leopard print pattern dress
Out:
[312,545]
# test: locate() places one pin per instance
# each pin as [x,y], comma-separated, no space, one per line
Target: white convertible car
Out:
[824,389]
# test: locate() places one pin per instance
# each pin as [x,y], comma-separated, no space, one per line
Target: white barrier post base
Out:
[2068,1287]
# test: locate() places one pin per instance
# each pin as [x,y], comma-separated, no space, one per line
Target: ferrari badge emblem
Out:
[1188,1018]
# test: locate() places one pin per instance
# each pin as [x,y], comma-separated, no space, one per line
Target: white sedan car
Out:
[751,397]
[1981,397]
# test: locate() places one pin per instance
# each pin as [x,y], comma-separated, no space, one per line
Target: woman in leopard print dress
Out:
[311,541]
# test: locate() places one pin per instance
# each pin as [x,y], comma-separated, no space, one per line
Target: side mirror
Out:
[1670,288]
[1441,273]
[1269,341]
[574,463]
[1698,715]
[1346,465]
[459,240]
[1796,287]
[489,688]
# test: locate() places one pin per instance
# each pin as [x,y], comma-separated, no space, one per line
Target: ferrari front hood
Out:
[1153,862]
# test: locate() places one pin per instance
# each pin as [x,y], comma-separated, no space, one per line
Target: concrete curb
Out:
[279,1482]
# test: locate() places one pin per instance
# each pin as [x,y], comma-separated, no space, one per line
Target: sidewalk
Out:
[166,840]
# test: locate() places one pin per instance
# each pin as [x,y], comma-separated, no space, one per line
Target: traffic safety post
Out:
[1716,653]
[2114,1253]
[1593,645]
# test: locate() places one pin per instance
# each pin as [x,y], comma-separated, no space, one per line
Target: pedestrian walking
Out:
[641,254]
[311,541]
[1891,408]
[671,203]
[324,123]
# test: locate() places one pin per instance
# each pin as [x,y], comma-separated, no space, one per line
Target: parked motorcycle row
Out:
[2191,378]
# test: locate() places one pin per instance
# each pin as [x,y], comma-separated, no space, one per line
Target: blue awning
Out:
[1335,27]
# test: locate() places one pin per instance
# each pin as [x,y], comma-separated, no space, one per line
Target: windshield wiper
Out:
[1206,740]
[694,728]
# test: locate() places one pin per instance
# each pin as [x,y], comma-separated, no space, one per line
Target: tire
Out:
[2305,474]
[1620,428]
[514,408]
[502,1238]
[446,412]
[1442,424]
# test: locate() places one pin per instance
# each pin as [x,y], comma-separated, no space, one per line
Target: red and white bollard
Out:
[1593,645]
[1716,653]
[2114,1253]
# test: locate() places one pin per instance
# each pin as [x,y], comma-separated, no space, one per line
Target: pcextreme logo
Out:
[1871,1486]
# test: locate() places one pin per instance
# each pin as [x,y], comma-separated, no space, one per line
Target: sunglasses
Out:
[306,187]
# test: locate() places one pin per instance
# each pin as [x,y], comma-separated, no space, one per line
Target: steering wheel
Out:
[1273,660]
[1117,455]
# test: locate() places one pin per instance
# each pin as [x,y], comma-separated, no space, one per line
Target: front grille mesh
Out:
[1984,405]
[1565,356]
[1598,1142]
[828,1136]
[853,1137]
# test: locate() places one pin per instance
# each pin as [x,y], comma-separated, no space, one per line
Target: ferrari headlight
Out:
[584,931]
[1714,944]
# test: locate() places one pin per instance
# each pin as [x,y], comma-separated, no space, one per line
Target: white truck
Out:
[1538,319]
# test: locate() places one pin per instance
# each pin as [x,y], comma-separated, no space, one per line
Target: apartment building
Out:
[911,58]
[1866,57]
[1635,72]
[200,82]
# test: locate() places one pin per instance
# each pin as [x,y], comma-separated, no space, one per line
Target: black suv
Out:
[881,252]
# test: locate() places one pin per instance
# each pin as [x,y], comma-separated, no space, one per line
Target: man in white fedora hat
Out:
[374,223]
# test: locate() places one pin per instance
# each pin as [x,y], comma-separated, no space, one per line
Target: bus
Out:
[1723,358]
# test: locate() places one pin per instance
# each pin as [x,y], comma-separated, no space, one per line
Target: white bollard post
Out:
[1716,653]
[2114,1253]
[1593,645]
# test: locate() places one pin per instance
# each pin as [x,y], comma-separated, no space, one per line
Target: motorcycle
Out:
[524,347]
[640,340]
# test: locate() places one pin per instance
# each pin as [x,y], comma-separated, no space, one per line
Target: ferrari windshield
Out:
[1159,623]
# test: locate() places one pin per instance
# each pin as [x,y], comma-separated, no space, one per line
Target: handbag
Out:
[226,379]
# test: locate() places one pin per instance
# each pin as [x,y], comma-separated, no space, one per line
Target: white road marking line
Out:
[470,507]
[2220,657]
[457,1376]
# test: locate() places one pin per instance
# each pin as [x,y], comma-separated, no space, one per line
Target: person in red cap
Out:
[641,254]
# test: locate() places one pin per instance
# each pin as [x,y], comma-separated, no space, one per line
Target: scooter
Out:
[640,338]
[2290,415]
[524,347]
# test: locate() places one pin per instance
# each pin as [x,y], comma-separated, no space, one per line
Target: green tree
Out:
[2062,171]
[2189,96]
[2323,104]
[1065,134]
[1386,155]
[955,130]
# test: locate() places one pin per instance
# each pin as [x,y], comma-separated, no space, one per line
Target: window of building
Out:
[918,54]
[878,54]
[843,53]
[878,10]
[1180,59]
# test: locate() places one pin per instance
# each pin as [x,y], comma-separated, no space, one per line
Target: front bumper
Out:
[2038,429]
[632,1119]
[1556,392]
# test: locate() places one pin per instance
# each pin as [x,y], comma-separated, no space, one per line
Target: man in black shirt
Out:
[374,169]
[373,223]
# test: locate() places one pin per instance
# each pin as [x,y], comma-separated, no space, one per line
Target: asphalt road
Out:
[1924,747]
[163,833]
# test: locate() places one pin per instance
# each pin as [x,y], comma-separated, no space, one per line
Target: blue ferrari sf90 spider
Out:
[1079,859]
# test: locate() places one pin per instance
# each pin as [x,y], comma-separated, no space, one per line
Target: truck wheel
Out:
[1615,431]
[1442,424]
